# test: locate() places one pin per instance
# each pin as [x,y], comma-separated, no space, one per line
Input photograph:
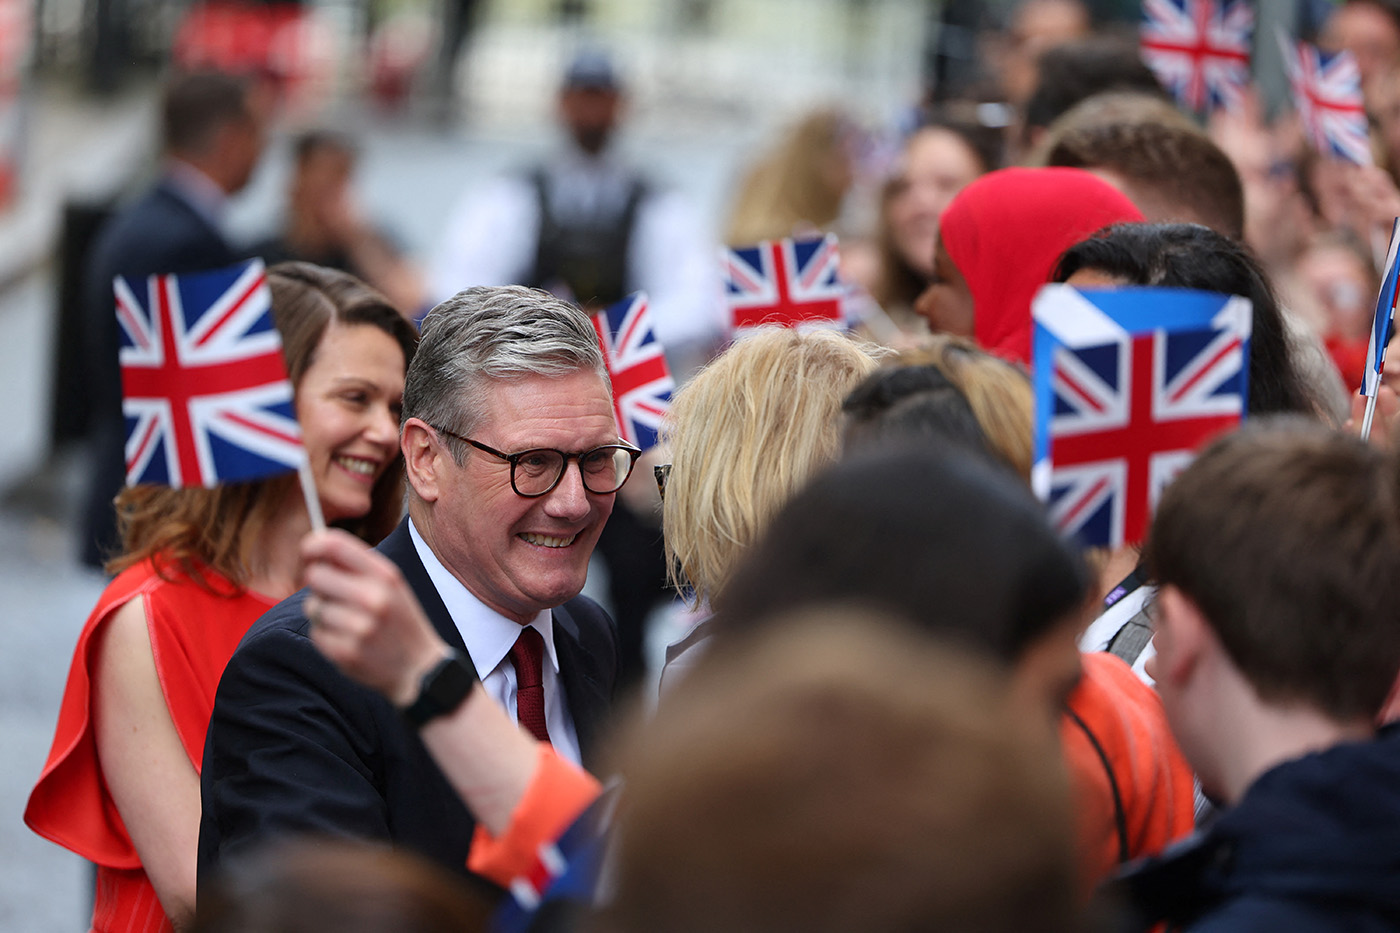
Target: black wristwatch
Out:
[442,690]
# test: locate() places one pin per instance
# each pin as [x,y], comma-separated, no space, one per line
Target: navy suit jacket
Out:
[157,233]
[294,746]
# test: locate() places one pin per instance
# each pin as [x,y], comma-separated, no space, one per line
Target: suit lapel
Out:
[399,548]
[588,699]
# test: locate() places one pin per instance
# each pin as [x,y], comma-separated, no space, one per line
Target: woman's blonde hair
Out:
[998,393]
[798,187]
[745,434]
[190,529]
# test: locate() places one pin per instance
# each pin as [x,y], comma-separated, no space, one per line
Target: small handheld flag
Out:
[641,381]
[1382,329]
[1200,50]
[788,282]
[204,389]
[1327,95]
[1128,383]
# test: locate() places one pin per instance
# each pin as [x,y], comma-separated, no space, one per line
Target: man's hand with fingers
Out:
[1383,426]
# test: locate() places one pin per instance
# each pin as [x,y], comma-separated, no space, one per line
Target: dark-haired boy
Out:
[1278,558]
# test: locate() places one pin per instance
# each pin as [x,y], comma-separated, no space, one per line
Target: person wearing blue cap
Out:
[587,225]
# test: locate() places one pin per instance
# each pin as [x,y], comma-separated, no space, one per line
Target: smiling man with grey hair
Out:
[512,459]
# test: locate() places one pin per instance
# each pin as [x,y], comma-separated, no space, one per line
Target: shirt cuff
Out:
[558,792]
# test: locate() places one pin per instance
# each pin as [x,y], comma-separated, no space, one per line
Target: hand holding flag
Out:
[1382,329]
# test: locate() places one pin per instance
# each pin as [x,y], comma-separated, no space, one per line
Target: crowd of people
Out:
[908,702]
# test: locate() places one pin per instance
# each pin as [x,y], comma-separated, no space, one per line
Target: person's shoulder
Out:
[157,233]
[286,620]
[1109,688]
[156,203]
[1266,913]
[134,579]
[276,653]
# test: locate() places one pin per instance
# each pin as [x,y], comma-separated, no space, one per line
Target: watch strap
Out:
[442,689]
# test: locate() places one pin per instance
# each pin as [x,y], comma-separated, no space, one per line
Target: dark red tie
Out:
[527,656]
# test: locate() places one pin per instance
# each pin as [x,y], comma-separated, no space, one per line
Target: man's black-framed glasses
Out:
[535,472]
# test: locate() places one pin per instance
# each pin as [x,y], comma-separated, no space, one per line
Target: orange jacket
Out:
[1134,792]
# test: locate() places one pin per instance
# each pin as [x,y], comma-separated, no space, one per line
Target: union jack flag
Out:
[1128,383]
[1383,324]
[641,382]
[787,282]
[564,873]
[205,391]
[1199,49]
[1327,94]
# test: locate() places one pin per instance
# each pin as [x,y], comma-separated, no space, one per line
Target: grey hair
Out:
[480,334]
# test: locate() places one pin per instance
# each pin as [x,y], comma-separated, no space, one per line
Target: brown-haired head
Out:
[841,772]
[800,184]
[336,886]
[1286,536]
[1172,173]
[195,104]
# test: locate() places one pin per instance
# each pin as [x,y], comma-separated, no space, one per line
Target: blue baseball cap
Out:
[591,69]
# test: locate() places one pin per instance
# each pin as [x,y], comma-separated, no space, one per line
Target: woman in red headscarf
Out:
[998,242]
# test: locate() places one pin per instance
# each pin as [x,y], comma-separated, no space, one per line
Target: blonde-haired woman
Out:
[799,187]
[744,435]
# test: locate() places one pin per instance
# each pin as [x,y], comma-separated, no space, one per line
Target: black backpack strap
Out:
[1120,815]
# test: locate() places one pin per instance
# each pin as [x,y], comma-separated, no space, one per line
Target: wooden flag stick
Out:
[313,499]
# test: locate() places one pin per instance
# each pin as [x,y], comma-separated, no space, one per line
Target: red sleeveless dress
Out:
[193,633]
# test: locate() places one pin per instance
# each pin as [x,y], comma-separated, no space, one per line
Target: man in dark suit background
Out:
[212,135]
[513,459]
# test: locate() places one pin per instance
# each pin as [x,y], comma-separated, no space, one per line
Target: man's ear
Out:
[423,455]
[1183,636]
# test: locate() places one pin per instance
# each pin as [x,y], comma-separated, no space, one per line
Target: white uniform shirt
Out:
[493,236]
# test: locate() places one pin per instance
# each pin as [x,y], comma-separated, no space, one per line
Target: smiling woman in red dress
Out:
[198,567]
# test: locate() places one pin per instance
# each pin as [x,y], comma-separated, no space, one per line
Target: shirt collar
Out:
[488,635]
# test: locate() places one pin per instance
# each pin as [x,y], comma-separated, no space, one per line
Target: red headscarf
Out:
[1006,230]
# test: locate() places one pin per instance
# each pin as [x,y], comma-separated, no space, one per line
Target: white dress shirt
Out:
[489,636]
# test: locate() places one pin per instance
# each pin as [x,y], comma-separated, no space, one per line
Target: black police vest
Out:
[588,257]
